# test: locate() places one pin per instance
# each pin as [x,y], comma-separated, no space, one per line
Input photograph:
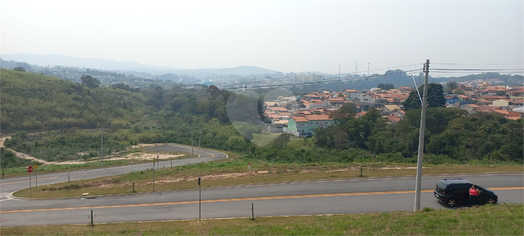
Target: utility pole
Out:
[102,149]
[421,137]
[368,68]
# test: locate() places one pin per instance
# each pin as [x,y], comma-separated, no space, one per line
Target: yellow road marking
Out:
[233,199]
[33,180]
[507,188]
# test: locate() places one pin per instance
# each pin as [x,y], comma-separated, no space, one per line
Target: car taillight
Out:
[443,192]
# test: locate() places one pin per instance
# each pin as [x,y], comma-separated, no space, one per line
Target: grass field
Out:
[234,171]
[485,220]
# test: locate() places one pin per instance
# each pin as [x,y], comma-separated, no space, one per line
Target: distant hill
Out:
[240,70]
[95,63]
[128,66]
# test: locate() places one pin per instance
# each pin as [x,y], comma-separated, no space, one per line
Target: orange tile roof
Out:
[503,112]
[277,108]
[393,119]
[492,97]
[300,119]
[318,117]
[360,114]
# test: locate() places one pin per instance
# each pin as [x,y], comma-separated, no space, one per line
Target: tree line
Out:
[199,115]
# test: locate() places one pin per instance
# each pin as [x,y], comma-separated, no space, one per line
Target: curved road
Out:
[294,198]
[13,184]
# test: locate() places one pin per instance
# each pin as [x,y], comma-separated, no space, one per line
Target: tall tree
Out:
[19,68]
[346,112]
[435,97]
[452,85]
[386,86]
[89,81]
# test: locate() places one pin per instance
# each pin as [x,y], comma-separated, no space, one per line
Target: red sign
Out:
[29,169]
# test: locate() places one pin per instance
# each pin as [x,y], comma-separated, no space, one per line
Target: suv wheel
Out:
[451,202]
[491,200]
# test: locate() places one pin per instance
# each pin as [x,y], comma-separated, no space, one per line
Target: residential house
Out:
[519,110]
[392,119]
[517,92]
[336,102]
[450,100]
[363,106]
[494,90]
[500,103]
[470,108]
[367,98]
[304,126]
[406,89]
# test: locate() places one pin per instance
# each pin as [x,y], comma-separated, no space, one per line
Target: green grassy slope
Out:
[34,102]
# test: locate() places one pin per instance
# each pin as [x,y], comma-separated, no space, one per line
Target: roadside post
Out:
[92,225]
[252,211]
[249,166]
[29,169]
[36,175]
[199,201]
[154,161]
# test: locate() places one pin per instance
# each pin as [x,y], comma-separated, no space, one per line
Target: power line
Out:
[354,79]
[470,69]
[396,67]
[469,64]
[453,72]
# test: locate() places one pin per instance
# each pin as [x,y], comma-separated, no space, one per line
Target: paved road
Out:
[295,198]
[13,184]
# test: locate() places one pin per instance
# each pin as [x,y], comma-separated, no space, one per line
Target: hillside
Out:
[34,102]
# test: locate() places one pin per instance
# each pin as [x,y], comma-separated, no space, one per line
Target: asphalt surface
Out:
[13,184]
[360,195]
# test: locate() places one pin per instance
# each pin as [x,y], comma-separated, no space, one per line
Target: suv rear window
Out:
[441,185]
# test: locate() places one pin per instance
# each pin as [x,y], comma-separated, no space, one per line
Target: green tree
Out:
[451,85]
[386,86]
[89,81]
[346,112]
[435,97]
[19,68]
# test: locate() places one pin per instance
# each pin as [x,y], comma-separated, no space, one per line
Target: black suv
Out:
[456,191]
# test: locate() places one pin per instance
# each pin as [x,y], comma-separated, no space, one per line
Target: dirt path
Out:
[25,156]
[139,156]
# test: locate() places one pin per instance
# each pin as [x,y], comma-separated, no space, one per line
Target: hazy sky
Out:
[287,36]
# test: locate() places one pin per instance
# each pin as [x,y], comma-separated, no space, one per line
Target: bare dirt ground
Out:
[137,156]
